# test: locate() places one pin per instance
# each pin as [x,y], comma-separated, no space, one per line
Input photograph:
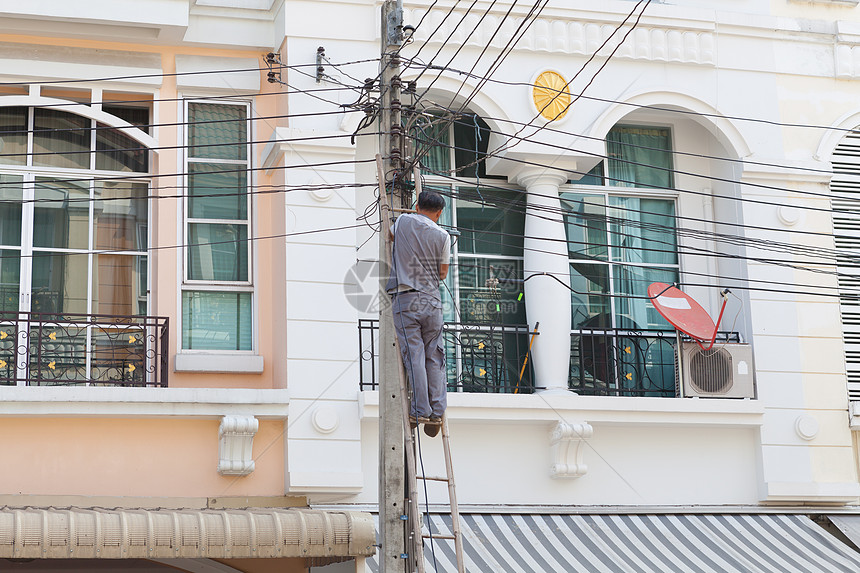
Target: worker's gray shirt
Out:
[420,247]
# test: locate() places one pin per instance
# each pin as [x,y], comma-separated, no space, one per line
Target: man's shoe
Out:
[414,421]
[432,427]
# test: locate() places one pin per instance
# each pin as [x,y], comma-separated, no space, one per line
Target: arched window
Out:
[486,314]
[620,223]
[73,237]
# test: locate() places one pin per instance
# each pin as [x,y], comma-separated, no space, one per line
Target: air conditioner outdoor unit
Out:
[724,371]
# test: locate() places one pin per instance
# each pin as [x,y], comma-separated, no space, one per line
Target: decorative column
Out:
[547,299]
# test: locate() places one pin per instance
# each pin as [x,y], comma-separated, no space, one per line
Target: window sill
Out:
[35,401]
[537,408]
[219,363]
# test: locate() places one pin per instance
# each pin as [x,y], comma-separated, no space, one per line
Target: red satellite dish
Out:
[684,313]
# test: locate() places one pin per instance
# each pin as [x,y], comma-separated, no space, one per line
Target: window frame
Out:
[187,284]
[88,179]
[607,192]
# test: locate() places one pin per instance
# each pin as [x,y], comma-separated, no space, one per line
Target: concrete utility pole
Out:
[393,555]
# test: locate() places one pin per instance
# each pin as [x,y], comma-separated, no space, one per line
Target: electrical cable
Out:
[171,74]
[506,50]
[681,250]
[113,150]
[582,69]
[463,45]
[669,170]
[666,109]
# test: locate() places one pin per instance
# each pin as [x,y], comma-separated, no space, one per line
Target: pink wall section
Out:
[131,457]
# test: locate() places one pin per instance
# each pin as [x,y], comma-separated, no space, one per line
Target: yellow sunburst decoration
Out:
[551,95]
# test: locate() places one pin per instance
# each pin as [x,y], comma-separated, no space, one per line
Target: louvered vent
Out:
[711,371]
[845,188]
[725,371]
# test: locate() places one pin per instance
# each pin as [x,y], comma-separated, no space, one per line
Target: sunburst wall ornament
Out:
[551,95]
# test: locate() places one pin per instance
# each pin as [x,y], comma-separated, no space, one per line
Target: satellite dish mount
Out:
[685,314]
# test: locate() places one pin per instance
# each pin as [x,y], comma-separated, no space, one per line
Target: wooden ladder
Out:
[413,503]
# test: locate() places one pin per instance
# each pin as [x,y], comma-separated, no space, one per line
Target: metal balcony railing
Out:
[623,362]
[479,357]
[603,362]
[45,349]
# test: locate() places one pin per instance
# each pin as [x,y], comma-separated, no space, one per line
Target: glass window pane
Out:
[585,223]
[446,287]
[433,144]
[216,320]
[13,135]
[61,139]
[633,310]
[639,156]
[62,214]
[137,116]
[117,287]
[482,299]
[115,151]
[643,231]
[589,302]
[217,252]
[120,212]
[593,177]
[217,191]
[11,194]
[491,222]
[212,126]
[59,283]
[10,279]
[471,138]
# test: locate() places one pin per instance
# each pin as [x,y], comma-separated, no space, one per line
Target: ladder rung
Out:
[433,478]
[428,536]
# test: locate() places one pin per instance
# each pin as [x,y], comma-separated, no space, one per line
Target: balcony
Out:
[47,349]
[603,362]
[479,357]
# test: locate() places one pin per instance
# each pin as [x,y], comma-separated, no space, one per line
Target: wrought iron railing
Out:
[42,349]
[603,362]
[479,357]
[621,362]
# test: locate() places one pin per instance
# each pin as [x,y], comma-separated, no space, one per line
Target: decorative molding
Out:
[325,420]
[806,427]
[566,448]
[97,402]
[572,36]
[235,445]
[629,411]
[788,215]
[551,95]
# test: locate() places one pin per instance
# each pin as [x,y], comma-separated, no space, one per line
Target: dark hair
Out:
[430,201]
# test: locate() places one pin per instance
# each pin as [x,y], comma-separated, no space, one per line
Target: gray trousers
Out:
[418,323]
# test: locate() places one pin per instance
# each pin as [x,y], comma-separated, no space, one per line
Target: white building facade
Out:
[706,145]
[585,150]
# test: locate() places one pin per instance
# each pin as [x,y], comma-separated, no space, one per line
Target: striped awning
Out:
[722,543]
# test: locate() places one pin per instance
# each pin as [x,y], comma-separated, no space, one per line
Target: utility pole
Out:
[393,524]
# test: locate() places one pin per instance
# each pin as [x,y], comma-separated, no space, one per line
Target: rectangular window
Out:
[617,246]
[217,289]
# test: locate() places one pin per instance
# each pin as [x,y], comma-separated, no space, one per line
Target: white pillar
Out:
[547,299]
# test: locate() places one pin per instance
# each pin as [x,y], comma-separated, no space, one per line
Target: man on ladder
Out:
[420,257]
